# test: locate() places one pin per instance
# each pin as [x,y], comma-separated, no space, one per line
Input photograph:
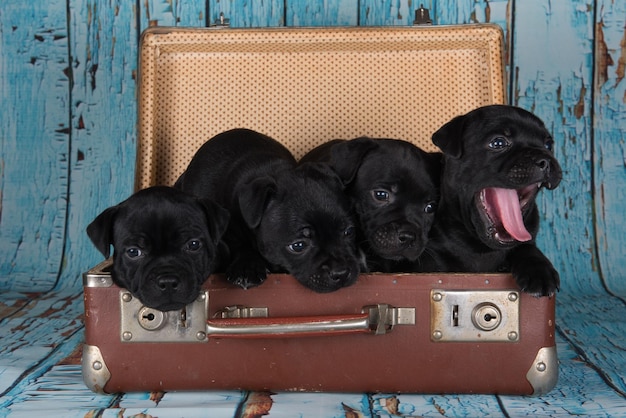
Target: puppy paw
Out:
[247,273]
[538,279]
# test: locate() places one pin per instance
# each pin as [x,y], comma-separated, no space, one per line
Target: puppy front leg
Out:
[247,268]
[532,271]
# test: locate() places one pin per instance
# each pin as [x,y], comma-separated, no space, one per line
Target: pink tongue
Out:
[507,206]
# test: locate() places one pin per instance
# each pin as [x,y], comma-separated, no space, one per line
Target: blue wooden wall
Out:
[67,151]
[68,135]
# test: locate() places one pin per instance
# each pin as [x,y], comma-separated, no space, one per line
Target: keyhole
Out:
[489,317]
[150,316]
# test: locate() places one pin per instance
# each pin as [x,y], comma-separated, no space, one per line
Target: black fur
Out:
[165,244]
[493,148]
[394,190]
[283,218]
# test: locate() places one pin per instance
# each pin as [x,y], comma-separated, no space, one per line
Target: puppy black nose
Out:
[543,164]
[337,276]
[406,237]
[168,283]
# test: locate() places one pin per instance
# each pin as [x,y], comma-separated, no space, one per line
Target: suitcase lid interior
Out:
[305,86]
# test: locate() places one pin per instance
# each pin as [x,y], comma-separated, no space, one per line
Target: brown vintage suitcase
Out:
[428,333]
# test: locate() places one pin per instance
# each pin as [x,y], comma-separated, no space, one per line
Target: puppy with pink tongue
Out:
[496,159]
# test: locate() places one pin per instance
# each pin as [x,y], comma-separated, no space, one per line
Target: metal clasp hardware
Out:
[422,16]
[383,317]
[239,311]
[221,21]
[140,324]
[475,315]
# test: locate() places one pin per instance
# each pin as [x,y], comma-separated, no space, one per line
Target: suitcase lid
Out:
[305,86]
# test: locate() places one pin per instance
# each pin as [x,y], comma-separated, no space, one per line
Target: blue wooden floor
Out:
[67,151]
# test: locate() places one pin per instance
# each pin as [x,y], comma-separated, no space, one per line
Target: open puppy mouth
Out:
[503,211]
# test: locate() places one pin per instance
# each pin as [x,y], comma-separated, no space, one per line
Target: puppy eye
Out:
[134,252]
[549,144]
[349,231]
[381,195]
[193,245]
[297,247]
[430,207]
[499,143]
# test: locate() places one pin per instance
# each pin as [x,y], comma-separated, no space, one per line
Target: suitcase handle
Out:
[376,319]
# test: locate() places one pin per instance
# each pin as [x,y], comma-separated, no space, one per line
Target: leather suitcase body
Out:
[426,333]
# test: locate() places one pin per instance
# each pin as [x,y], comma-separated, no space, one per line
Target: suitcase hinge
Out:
[384,317]
[422,16]
[221,21]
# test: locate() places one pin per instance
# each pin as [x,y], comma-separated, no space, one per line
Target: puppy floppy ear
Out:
[217,218]
[346,157]
[254,198]
[448,137]
[100,231]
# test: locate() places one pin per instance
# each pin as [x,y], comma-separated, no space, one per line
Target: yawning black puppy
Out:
[496,160]
[283,218]
[394,189]
[165,244]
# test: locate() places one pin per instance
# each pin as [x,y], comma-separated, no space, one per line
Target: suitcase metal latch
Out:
[140,323]
[474,315]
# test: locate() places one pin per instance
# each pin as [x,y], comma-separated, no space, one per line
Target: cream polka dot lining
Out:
[305,86]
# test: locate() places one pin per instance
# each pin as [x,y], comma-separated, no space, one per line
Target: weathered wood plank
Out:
[389,12]
[594,324]
[471,11]
[103,44]
[244,14]
[579,391]
[34,143]
[437,405]
[43,333]
[322,13]
[609,151]
[173,13]
[552,76]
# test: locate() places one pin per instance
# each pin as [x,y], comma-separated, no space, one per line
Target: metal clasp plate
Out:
[140,323]
[474,315]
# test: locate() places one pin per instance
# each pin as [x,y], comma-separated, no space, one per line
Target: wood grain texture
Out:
[244,14]
[34,141]
[389,12]
[552,76]
[609,142]
[172,13]
[42,333]
[321,13]
[103,44]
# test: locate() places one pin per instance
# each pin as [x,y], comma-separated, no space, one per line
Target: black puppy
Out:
[283,218]
[394,189]
[165,244]
[496,160]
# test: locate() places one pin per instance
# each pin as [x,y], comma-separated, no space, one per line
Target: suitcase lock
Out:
[474,315]
[140,323]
